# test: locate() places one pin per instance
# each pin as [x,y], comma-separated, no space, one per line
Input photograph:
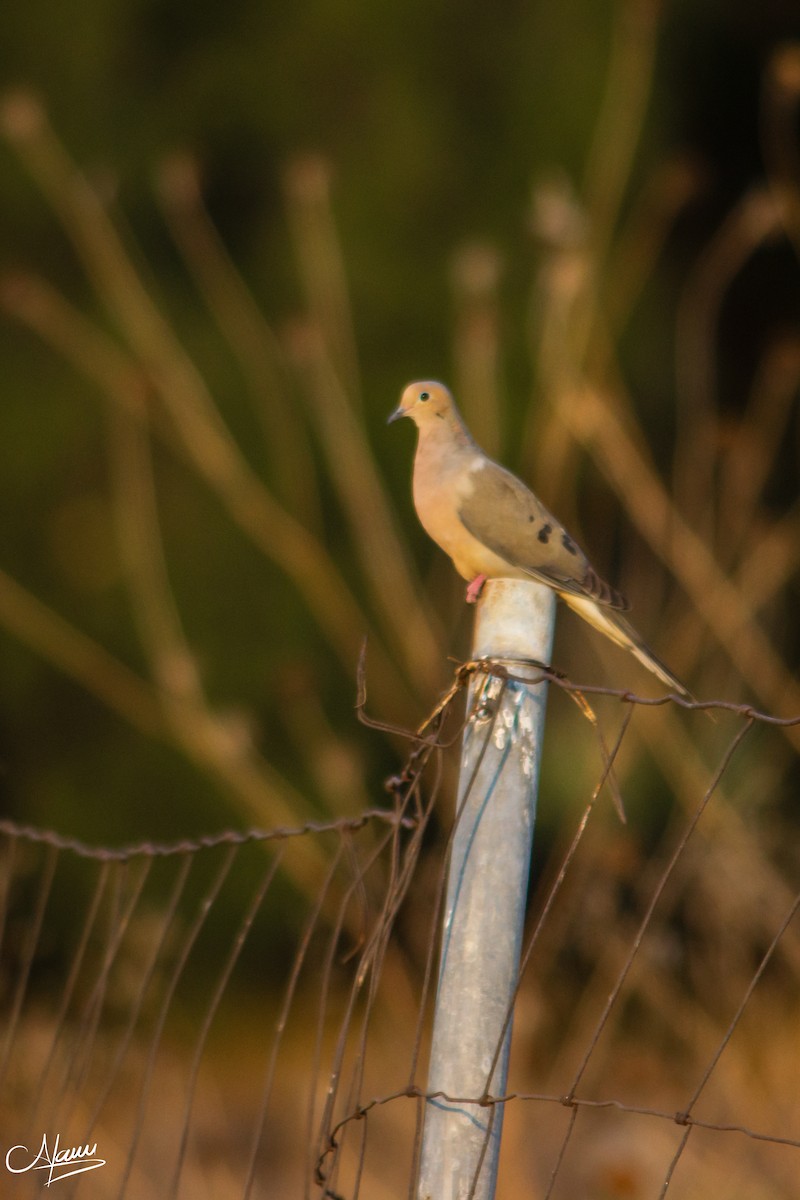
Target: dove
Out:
[493,527]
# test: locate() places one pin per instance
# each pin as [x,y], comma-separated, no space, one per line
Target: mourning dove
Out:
[493,526]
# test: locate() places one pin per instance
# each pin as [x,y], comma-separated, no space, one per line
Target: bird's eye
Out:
[424,395]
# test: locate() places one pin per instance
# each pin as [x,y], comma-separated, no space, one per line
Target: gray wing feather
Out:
[503,514]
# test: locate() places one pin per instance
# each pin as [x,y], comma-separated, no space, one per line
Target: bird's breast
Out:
[439,493]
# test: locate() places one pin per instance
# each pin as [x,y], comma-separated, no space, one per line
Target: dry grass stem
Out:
[185,397]
[716,598]
[620,119]
[779,134]
[79,657]
[384,560]
[751,223]
[475,275]
[216,744]
[248,333]
[670,188]
[322,268]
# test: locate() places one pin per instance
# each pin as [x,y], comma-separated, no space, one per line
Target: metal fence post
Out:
[486,893]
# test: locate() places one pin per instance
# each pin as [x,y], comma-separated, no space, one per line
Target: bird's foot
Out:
[475,588]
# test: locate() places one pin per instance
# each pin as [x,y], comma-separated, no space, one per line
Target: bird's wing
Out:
[504,515]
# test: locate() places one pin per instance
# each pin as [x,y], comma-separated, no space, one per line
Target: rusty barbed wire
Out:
[362,953]
[227,837]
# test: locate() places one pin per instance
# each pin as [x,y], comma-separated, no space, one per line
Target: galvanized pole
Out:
[486,892]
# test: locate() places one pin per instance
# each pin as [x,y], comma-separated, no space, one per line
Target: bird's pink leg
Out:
[475,588]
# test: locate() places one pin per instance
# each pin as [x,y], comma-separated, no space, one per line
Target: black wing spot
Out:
[568,544]
[544,533]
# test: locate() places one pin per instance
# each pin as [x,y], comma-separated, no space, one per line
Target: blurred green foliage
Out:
[436,121]
[585,216]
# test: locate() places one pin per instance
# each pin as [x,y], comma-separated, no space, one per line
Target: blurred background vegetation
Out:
[229,236]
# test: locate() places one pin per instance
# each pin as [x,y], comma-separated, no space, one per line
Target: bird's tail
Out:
[611,622]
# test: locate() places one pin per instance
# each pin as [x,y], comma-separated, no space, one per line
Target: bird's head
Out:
[424,402]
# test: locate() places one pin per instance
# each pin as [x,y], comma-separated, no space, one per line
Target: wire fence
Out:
[188,1020]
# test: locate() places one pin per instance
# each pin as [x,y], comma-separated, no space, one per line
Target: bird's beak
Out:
[397,414]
